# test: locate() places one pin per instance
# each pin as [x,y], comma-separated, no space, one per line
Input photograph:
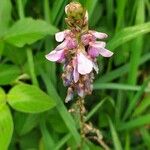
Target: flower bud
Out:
[75,10]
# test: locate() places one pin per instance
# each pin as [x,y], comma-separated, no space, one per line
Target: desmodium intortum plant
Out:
[78,52]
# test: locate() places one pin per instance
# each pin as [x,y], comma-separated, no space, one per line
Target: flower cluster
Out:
[78,51]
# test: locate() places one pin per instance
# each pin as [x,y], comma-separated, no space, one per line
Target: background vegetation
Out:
[32,112]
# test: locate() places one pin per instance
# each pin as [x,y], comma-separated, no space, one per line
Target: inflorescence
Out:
[78,51]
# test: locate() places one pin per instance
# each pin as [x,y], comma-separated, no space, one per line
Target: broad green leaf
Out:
[115,138]
[8,73]
[2,97]
[128,34]
[15,54]
[6,127]
[28,31]
[5,15]
[29,99]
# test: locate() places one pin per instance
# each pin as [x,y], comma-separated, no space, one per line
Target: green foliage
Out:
[6,123]
[32,112]
[27,31]
[29,99]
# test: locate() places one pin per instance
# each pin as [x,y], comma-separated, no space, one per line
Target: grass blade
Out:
[134,123]
[115,138]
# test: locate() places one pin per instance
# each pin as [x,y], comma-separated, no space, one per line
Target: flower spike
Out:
[78,51]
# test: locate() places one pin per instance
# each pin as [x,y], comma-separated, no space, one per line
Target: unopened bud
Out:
[75,10]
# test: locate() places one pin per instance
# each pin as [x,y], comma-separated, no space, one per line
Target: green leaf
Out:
[5,15]
[28,31]
[97,107]
[48,141]
[29,99]
[115,137]
[142,106]
[134,123]
[6,127]
[114,74]
[67,118]
[2,97]
[128,34]
[119,86]
[90,5]
[135,99]
[24,123]
[8,73]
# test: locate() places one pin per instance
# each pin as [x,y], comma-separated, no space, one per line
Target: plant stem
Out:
[20,9]
[31,66]
[80,104]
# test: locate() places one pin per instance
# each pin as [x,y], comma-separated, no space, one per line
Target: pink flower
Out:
[85,65]
[95,48]
[75,71]
[87,38]
[60,36]
[98,35]
[58,54]
[68,38]
[82,65]
[98,48]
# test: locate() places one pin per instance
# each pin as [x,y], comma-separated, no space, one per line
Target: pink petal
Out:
[85,65]
[97,44]
[60,36]
[105,53]
[87,38]
[71,43]
[55,55]
[93,52]
[99,35]
[61,46]
[75,72]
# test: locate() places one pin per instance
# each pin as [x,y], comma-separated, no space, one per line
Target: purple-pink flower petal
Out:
[75,72]
[71,43]
[105,53]
[93,52]
[98,35]
[85,65]
[97,44]
[59,36]
[55,55]
[61,46]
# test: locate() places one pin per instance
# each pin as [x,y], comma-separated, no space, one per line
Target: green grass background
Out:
[120,104]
